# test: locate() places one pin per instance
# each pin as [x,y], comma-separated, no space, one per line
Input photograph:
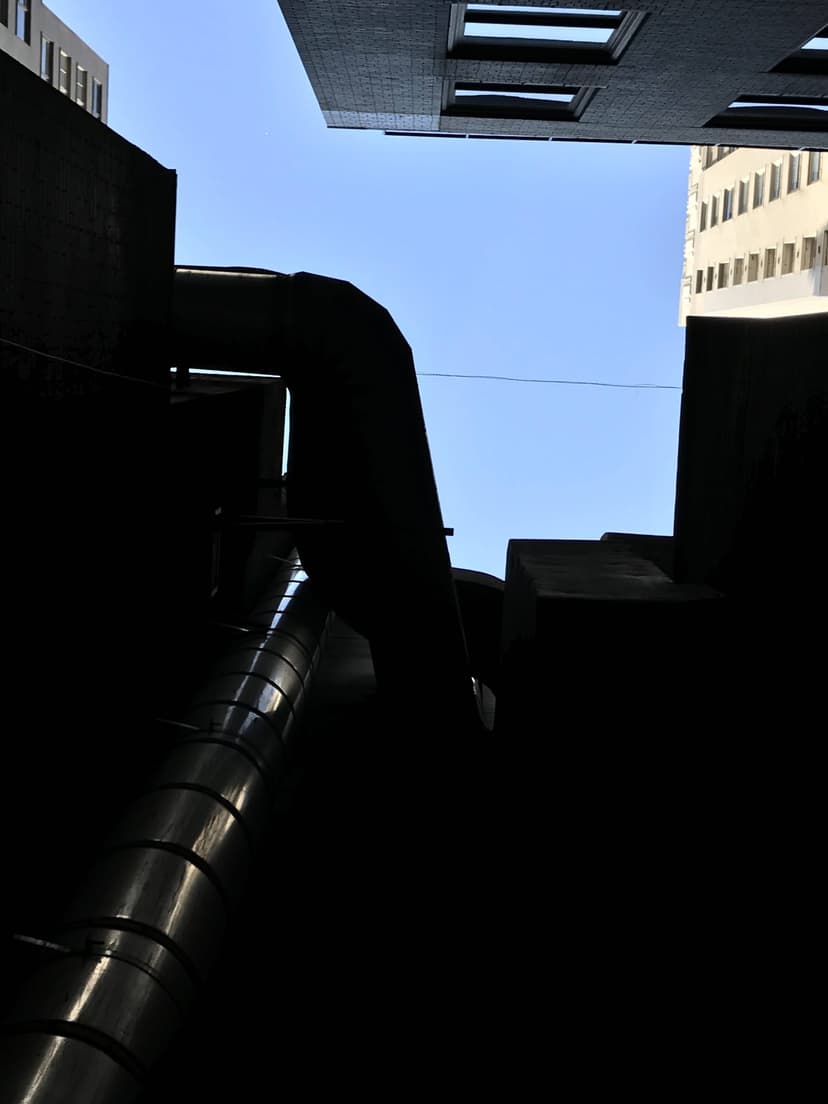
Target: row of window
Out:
[73,79]
[764,265]
[712,154]
[21,16]
[721,206]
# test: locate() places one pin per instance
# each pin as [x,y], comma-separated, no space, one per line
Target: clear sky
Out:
[505,258]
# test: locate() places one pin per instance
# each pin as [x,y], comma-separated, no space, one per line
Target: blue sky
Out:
[504,258]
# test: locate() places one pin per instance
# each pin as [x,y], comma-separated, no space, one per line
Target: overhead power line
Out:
[562,382]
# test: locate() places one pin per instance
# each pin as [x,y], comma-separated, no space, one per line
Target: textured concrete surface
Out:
[386,66]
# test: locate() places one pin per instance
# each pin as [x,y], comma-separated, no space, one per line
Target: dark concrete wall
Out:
[385,66]
[87,225]
[753,455]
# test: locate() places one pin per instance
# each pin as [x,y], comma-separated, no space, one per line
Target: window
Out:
[727,205]
[774,113]
[808,253]
[699,281]
[97,98]
[770,263]
[753,267]
[738,270]
[65,73]
[744,188]
[23,24]
[712,154]
[710,278]
[814,166]
[793,172]
[758,188]
[723,275]
[811,57]
[4,12]
[517,101]
[47,59]
[775,181]
[714,211]
[788,257]
[518,32]
[703,216]
[81,84]
[818,42]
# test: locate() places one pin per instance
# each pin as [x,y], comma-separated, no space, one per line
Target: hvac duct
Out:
[139,940]
[358,456]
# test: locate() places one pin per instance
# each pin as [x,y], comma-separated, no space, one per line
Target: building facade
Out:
[746,72]
[34,36]
[756,241]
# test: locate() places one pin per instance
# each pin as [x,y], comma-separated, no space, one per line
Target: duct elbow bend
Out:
[358,452]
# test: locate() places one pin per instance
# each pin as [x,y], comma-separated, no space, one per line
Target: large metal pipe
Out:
[358,455]
[138,942]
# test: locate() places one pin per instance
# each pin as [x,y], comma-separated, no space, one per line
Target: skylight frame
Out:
[489,100]
[800,113]
[620,25]
[811,57]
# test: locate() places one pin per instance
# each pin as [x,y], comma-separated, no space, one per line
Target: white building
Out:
[35,36]
[756,243]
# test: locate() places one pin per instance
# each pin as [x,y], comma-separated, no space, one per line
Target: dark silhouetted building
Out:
[255,831]
[744,72]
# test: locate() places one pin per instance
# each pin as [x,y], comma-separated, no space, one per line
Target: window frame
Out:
[753,268]
[794,172]
[738,271]
[47,59]
[758,189]
[722,275]
[67,91]
[727,205]
[788,258]
[519,108]
[475,47]
[23,14]
[770,255]
[744,195]
[775,186]
[809,252]
[804,60]
[703,216]
[773,113]
[814,159]
[81,72]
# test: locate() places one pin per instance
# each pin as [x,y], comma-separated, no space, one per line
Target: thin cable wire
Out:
[80,364]
[433,375]
[563,382]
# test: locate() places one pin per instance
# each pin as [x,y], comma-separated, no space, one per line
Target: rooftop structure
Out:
[34,36]
[747,73]
[756,244]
